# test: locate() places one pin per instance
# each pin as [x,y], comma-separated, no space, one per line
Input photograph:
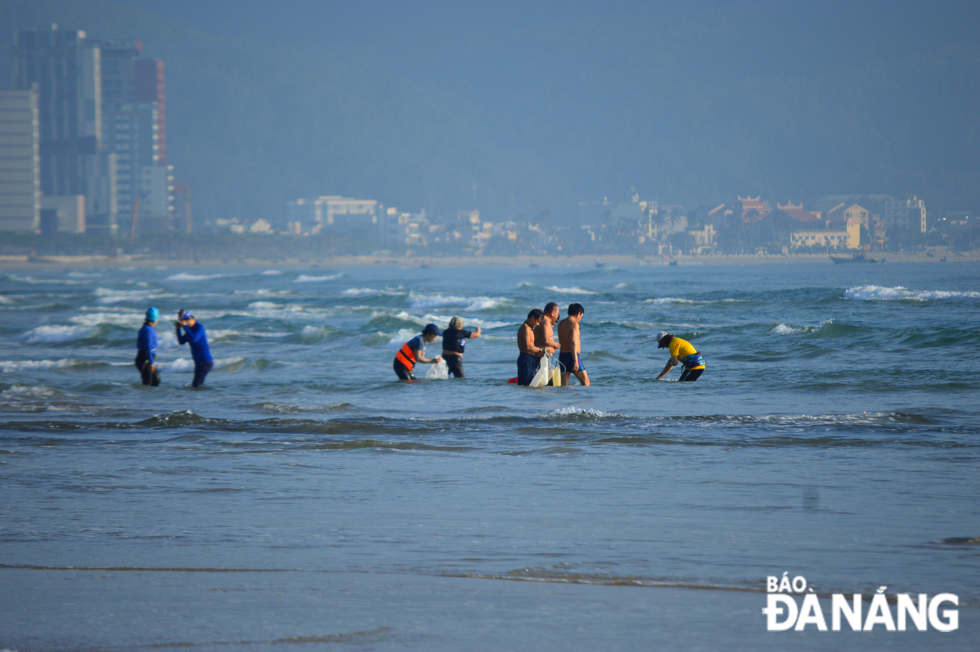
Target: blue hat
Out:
[431,329]
[183,314]
[152,314]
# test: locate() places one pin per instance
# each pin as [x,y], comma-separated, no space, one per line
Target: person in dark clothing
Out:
[528,360]
[195,335]
[453,340]
[146,346]
[413,352]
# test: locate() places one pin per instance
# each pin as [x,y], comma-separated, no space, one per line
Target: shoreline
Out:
[600,261]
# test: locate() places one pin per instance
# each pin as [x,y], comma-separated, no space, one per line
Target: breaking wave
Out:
[59,334]
[303,278]
[194,277]
[428,302]
[877,292]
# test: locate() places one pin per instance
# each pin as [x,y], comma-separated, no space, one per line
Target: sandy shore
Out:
[59,262]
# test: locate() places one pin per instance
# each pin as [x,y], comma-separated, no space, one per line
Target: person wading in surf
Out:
[571,347]
[195,335]
[544,332]
[453,340]
[527,361]
[683,352]
[413,352]
[146,346]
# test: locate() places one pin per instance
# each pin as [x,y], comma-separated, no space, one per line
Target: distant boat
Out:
[598,264]
[533,264]
[856,258]
[673,262]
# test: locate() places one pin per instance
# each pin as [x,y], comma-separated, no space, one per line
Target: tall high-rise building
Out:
[134,129]
[66,67]
[20,161]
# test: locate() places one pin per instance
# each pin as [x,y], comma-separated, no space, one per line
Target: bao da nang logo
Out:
[790,604]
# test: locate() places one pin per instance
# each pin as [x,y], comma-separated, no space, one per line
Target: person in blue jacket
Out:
[146,346]
[195,335]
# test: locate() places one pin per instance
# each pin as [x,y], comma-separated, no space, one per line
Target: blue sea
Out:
[306,499]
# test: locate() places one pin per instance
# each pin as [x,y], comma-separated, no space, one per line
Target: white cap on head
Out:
[660,336]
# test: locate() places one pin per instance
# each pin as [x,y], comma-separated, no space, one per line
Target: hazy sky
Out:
[573,100]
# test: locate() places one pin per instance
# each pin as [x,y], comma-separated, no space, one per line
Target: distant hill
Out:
[516,112]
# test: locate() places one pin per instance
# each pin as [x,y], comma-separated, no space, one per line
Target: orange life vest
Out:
[406,356]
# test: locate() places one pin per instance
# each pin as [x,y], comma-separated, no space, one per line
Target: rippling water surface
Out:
[305,497]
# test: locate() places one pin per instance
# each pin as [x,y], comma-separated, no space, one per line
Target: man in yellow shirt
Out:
[683,352]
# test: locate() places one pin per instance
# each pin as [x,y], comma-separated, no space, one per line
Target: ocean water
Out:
[306,498]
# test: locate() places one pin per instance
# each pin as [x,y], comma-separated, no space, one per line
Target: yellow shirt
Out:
[680,349]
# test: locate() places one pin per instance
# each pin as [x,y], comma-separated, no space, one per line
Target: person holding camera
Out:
[195,335]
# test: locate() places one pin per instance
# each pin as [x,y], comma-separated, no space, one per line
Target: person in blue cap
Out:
[195,335]
[146,346]
[413,352]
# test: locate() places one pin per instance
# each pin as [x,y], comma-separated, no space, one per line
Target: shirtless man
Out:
[527,361]
[544,332]
[568,336]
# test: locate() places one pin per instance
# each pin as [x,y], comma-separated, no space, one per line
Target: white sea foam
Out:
[666,301]
[128,319]
[403,335]
[264,292]
[579,412]
[469,323]
[877,292]
[783,329]
[359,292]
[407,317]
[5,301]
[8,366]
[58,334]
[303,278]
[194,277]
[311,332]
[264,305]
[428,302]
[108,296]
[45,281]
[33,391]
[573,290]
[187,364]
[622,286]
[268,310]
[271,272]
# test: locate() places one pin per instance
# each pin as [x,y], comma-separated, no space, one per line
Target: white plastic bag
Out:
[438,371]
[543,374]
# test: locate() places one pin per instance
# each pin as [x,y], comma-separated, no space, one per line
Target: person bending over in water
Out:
[453,341]
[527,361]
[571,347]
[195,335]
[544,332]
[683,352]
[413,352]
[146,346]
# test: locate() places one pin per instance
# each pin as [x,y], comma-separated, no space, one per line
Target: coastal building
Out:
[62,213]
[753,208]
[798,213]
[820,239]
[134,130]
[20,161]
[705,240]
[354,217]
[404,229]
[907,214]
[855,212]
[65,67]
